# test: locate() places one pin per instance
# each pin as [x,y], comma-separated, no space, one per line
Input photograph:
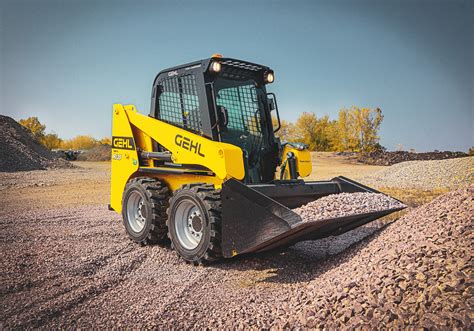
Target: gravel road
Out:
[427,175]
[345,204]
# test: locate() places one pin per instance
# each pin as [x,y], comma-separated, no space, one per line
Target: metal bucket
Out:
[258,217]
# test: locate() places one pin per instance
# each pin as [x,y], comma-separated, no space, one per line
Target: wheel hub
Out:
[189,224]
[136,212]
[141,211]
[196,224]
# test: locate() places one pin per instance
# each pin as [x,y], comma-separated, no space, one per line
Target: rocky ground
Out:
[428,175]
[416,272]
[98,153]
[66,261]
[390,158]
[75,267]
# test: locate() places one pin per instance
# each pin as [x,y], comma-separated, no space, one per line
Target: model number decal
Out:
[123,143]
[188,144]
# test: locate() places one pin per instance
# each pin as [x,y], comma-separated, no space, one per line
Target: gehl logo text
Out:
[188,144]
[123,143]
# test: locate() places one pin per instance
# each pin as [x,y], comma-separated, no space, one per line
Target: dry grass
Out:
[413,197]
[256,277]
[327,165]
[89,183]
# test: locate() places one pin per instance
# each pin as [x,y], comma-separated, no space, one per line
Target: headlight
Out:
[215,66]
[269,77]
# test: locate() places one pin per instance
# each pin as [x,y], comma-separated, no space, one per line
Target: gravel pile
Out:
[19,151]
[98,153]
[416,273]
[390,158]
[425,175]
[345,204]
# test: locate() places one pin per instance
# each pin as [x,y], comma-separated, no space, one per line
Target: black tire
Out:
[207,200]
[155,199]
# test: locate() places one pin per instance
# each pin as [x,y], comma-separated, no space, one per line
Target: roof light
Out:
[215,66]
[216,55]
[269,77]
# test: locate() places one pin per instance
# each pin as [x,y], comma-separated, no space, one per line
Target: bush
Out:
[355,130]
[80,142]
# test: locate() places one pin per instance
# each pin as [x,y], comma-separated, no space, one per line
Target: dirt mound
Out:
[426,175]
[98,153]
[19,151]
[418,272]
[389,158]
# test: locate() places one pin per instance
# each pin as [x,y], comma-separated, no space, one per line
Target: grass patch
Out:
[257,277]
[414,197]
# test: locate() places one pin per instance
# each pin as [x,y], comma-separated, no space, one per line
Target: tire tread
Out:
[158,194]
[210,196]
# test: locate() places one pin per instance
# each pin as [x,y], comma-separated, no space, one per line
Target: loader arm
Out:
[223,160]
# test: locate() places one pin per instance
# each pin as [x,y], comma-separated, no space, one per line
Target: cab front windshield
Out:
[242,99]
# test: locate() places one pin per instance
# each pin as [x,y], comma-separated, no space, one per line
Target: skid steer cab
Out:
[200,171]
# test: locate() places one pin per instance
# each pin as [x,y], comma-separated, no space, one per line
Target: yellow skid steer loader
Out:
[201,169]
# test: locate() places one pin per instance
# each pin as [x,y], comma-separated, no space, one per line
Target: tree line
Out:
[355,130]
[52,141]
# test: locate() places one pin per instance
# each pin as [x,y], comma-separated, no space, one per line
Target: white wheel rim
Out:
[188,224]
[136,212]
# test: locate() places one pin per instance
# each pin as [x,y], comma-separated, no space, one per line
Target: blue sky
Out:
[68,61]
